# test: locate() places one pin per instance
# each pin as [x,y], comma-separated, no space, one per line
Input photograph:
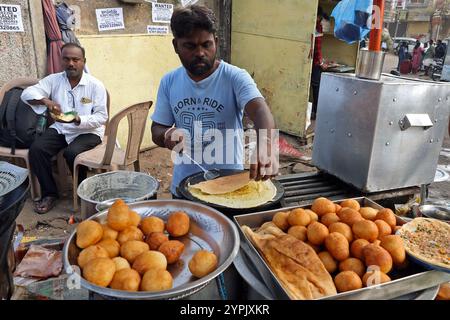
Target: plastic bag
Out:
[352,20]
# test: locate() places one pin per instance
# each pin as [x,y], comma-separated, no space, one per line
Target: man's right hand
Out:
[52,106]
[174,138]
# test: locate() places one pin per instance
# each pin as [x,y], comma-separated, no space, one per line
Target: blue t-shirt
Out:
[203,109]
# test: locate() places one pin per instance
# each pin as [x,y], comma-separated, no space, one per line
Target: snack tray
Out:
[413,279]
[209,229]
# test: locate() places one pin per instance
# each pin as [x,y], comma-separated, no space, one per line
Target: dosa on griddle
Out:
[225,184]
[253,194]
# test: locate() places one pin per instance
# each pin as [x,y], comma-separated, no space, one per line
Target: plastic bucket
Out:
[101,190]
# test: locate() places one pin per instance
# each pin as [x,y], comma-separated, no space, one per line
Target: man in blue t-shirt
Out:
[200,106]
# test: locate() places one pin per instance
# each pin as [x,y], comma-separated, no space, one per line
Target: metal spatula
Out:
[207,174]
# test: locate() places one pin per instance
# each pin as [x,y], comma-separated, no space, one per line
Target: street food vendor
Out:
[200,105]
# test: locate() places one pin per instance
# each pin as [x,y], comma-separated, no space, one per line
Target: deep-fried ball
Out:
[383,228]
[312,215]
[156,280]
[110,245]
[91,253]
[202,263]
[349,216]
[394,245]
[329,218]
[351,203]
[121,263]
[99,271]
[356,248]
[347,281]
[89,232]
[130,233]
[298,232]
[172,249]
[135,218]
[178,224]
[149,260]
[337,246]
[118,216]
[322,206]
[388,216]
[126,279]
[368,213]
[343,229]
[317,232]
[152,224]
[328,261]
[298,217]
[109,233]
[155,239]
[280,219]
[365,229]
[131,249]
[377,256]
[353,264]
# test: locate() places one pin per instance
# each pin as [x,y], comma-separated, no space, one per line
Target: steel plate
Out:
[209,230]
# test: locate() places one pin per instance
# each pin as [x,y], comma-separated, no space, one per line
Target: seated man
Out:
[71,90]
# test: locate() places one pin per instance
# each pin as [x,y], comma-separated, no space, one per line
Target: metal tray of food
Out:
[413,279]
[247,271]
[209,230]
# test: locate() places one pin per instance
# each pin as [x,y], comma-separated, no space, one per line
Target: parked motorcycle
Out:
[436,69]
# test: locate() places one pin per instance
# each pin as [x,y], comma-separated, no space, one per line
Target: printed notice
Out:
[184,3]
[162,12]
[158,30]
[10,18]
[110,19]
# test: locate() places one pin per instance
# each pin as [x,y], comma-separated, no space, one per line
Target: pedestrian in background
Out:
[417,57]
[402,54]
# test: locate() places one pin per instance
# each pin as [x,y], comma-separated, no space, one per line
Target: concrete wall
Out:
[23,54]
[418,28]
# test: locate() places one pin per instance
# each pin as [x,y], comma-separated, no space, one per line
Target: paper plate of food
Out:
[233,191]
[427,242]
[67,117]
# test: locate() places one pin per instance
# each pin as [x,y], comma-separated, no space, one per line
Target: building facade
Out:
[420,19]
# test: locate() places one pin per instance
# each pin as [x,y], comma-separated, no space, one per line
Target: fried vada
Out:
[99,271]
[323,206]
[172,249]
[89,232]
[131,249]
[149,260]
[130,233]
[91,253]
[156,280]
[203,263]
[178,224]
[152,224]
[118,215]
[126,279]
[155,239]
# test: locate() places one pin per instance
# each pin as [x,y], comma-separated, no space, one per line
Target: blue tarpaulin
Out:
[352,19]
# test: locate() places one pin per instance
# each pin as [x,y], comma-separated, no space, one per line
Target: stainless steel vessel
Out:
[370,64]
[209,230]
[380,135]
